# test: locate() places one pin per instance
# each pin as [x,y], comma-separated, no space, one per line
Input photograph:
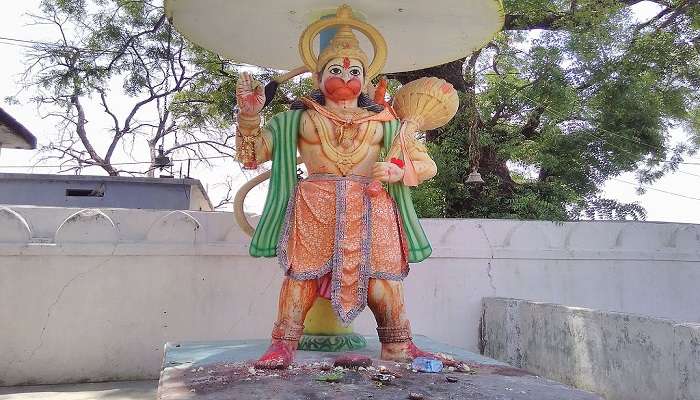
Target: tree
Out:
[172,86]
[572,93]
[569,95]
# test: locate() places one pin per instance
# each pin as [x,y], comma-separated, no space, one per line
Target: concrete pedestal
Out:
[223,370]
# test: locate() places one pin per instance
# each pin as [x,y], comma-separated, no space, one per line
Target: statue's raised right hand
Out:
[250,95]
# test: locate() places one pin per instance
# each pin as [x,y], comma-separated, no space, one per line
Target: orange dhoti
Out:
[334,226]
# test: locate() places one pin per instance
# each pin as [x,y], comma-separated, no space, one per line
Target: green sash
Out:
[284,128]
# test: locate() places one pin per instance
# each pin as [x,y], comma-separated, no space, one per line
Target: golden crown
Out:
[344,43]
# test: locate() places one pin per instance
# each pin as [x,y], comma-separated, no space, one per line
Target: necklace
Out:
[345,160]
[341,123]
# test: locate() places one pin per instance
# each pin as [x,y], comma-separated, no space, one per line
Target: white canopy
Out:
[419,33]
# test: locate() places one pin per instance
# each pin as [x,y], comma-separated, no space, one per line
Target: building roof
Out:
[196,194]
[14,135]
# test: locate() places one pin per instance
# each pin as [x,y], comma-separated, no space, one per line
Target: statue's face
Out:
[342,79]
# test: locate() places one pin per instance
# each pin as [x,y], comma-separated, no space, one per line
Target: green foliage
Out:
[182,96]
[570,95]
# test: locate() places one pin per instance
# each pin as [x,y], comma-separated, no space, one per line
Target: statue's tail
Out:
[239,200]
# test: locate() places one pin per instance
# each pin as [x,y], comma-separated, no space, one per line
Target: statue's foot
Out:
[279,355]
[407,351]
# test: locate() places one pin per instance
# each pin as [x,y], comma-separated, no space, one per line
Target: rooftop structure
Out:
[103,191]
[14,135]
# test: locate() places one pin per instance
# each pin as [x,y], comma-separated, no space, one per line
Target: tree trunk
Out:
[153,153]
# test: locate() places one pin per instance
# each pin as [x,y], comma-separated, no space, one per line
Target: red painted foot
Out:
[415,352]
[407,351]
[278,356]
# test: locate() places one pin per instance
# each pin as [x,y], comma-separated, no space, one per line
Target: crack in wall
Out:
[53,305]
[489,270]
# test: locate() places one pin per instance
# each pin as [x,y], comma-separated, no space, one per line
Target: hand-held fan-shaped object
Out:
[423,104]
[429,102]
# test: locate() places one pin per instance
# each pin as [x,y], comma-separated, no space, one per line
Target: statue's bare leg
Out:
[385,299]
[296,298]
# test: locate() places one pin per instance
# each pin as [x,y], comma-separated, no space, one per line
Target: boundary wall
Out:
[92,295]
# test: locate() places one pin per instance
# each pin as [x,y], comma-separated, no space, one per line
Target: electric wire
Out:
[657,190]
[27,44]
[555,114]
[86,165]
[636,140]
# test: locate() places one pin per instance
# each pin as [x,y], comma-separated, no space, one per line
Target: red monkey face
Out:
[342,79]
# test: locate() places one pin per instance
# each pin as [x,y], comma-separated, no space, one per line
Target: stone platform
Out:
[223,370]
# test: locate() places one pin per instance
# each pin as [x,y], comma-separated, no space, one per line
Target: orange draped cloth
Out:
[333,226]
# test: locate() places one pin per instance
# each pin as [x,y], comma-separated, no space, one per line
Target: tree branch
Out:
[125,46]
[82,134]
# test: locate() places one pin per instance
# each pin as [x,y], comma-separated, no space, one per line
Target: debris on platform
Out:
[462,367]
[353,361]
[332,377]
[423,364]
[383,378]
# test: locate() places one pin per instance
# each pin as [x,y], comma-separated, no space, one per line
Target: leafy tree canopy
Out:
[569,95]
[572,93]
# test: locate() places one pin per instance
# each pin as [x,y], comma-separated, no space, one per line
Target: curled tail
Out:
[239,200]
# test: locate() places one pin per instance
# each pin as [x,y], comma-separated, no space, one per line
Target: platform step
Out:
[223,370]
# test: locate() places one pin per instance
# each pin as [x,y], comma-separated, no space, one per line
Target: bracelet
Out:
[394,334]
[287,330]
[246,152]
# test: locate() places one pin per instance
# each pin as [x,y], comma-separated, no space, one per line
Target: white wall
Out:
[93,295]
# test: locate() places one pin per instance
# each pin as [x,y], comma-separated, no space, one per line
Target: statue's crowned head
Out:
[344,44]
[341,74]
[342,68]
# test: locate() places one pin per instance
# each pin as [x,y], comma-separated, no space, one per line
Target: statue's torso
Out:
[325,150]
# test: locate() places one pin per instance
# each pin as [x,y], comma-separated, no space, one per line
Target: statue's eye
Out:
[355,72]
[335,70]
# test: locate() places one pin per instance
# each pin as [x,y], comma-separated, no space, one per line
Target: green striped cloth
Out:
[284,128]
[418,245]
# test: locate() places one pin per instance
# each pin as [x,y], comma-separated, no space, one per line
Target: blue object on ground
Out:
[423,364]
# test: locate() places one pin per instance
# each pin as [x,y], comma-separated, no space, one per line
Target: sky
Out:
[682,206]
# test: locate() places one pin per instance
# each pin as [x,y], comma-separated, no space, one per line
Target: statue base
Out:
[332,343]
[224,370]
[324,332]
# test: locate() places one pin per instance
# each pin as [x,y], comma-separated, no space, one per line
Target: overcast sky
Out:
[13,24]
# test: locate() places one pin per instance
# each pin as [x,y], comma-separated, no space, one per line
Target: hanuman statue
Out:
[349,230]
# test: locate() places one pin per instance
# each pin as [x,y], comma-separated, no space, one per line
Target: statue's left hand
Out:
[387,172]
[250,95]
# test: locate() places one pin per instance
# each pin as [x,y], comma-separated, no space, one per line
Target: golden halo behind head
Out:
[345,20]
